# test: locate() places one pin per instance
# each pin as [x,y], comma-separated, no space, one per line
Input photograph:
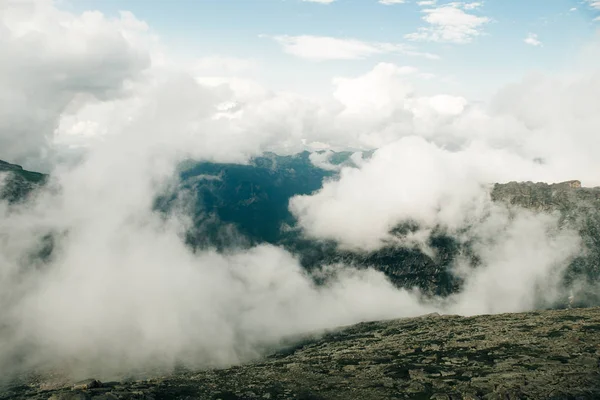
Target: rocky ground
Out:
[537,355]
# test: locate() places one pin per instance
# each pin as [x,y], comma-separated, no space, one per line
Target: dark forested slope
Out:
[235,205]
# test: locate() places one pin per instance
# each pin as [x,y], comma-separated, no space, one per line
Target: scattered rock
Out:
[105,396]
[87,384]
[68,396]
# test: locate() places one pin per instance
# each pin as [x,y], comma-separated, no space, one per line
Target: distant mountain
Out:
[253,198]
[579,209]
[248,204]
[17,183]
[237,205]
[243,205]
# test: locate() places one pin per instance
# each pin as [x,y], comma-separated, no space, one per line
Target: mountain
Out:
[537,355]
[248,204]
[18,183]
[243,205]
[252,198]
[578,208]
[237,205]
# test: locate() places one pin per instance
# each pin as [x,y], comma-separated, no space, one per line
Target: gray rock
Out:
[87,384]
[105,396]
[508,357]
[68,396]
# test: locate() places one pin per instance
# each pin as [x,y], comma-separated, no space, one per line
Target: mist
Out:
[122,292]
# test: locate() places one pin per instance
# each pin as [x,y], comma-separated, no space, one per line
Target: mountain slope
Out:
[541,355]
[578,208]
[236,205]
[17,183]
[252,201]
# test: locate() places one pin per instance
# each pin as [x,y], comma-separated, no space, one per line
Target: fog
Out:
[121,291]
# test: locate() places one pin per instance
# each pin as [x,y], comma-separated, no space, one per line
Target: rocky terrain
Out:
[16,183]
[578,208]
[537,355]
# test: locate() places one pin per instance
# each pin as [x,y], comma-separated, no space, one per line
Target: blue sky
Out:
[475,64]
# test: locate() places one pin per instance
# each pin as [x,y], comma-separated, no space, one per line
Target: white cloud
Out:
[331,48]
[426,3]
[594,4]
[442,149]
[223,66]
[436,154]
[379,89]
[470,6]
[532,39]
[53,60]
[413,180]
[390,2]
[237,73]
[450,23]
[427,75]
[409,179]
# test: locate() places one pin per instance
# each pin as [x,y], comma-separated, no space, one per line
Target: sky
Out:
[342,74]
[478,46]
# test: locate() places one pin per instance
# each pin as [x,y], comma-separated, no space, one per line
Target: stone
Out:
[87,384]
[68,396]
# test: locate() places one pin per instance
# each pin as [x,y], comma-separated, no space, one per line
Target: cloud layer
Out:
[54,63]
[122,291]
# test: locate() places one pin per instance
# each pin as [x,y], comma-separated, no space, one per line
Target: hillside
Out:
[540,355]
[252,202]
[238,205]
[578,208]
[17,182]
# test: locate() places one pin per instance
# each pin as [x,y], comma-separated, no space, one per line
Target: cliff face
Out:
[541,355]
[578,208]
[569,198]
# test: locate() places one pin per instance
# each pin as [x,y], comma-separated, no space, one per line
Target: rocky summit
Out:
[537,355]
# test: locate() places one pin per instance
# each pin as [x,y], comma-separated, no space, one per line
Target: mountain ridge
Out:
[245,205]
